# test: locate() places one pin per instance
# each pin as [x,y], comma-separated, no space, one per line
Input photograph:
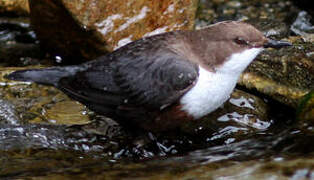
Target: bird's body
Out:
[158,83]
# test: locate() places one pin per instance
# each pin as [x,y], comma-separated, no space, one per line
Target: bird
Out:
[160,82]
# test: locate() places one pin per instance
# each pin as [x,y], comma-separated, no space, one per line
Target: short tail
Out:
[47,76]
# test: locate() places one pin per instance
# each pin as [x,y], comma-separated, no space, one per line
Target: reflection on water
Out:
[242,102]
[244,119]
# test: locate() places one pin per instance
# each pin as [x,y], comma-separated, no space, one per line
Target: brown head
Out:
[242,35]
[215,44]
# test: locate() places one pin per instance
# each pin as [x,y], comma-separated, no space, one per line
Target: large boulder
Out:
[86,29]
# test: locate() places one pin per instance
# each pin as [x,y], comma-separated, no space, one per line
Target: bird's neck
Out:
[237,62]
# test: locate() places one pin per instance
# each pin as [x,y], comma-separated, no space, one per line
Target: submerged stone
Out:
[303,27]
[41,104]
[87,29]
[66,112]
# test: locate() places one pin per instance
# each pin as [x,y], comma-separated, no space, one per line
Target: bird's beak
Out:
[276,44]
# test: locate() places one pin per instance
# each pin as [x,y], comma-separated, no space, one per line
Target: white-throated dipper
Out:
[159,82]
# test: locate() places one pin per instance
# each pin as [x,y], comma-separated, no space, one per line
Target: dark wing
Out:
[93,85]
[144,73]
[155,79]
[152,82]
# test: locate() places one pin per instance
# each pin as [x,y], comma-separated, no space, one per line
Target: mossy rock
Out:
[305,111]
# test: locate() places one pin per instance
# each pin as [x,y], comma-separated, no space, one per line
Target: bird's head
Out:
[233,45]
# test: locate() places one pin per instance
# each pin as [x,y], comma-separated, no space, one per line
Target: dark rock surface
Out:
[18,42]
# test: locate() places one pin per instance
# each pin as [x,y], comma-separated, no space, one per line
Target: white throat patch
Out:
[212,89]
[239,61]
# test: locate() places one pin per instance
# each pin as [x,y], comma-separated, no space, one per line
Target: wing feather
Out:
[145,73]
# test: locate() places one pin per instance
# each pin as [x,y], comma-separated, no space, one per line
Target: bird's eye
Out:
[240,41]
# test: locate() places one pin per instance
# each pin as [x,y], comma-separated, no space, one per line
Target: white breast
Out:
[213,89]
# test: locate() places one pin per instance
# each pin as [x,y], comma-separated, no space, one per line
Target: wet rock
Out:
[26,164]
[280,168]
[285,75]
[303,27]
[19,54]
[16,29]
[242,114]
[272,28]
[17,7]
[31,136]
[103,126]
[67,113]
[54,137]
[8,114]
[215,11]
[91,28]
[18,43]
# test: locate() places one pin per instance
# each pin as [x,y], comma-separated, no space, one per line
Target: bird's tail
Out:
[48,76]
